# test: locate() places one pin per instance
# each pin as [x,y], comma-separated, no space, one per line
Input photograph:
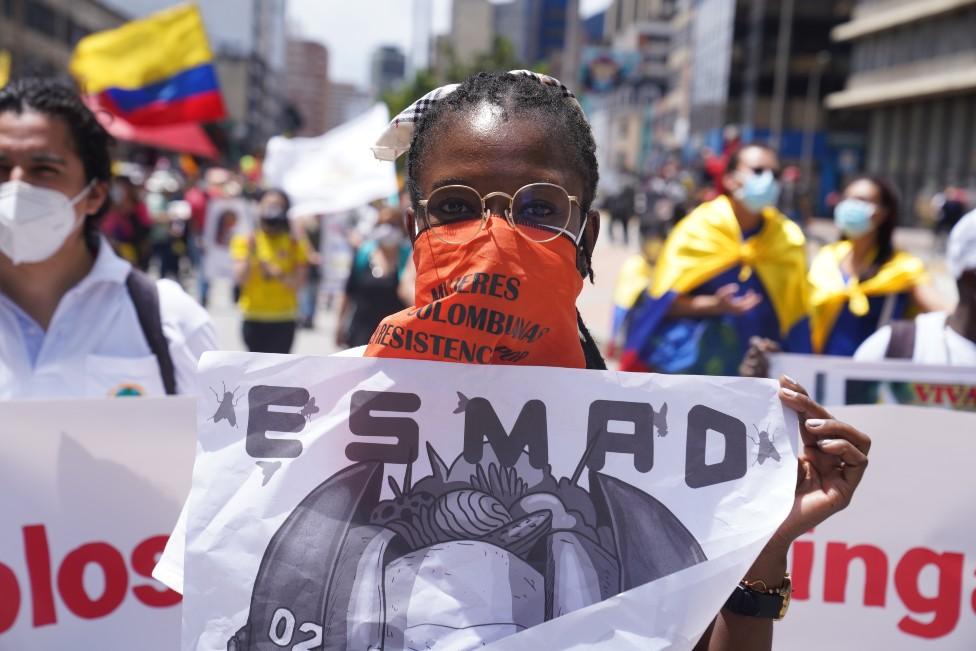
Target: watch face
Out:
[786,592]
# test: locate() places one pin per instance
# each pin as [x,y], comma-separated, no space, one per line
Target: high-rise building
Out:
[672,114]
[642,27]
[913,76]
[471,29]
[42,36]
[345,102]
[307,83]
[421,41]
[388,68]
[511,21]
[735,57]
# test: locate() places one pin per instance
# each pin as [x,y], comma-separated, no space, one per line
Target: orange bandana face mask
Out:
[499,299]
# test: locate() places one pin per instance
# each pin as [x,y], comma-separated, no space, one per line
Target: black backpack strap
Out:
[901,345]
[145,298]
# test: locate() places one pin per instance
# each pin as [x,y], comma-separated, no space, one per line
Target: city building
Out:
[672,114]
[307,84]
[641,28]
[771,83]
[471,29]
[388,68]
[913,76]
[41,35]
[345,102]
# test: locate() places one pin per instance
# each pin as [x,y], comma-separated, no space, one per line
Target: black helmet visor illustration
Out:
[470,554]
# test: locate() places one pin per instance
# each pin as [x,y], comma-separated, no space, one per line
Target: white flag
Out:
[335,171]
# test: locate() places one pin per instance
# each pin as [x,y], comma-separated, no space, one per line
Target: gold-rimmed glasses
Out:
[540,211]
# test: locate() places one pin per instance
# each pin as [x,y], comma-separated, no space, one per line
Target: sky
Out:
[353,29]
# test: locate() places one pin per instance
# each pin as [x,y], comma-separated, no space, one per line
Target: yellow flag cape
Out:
[634,277]
[4,67]
[829,293]
[709,241]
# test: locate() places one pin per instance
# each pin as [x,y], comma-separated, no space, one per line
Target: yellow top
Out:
[142,52]
[264,298]
[829,293]
[709,241]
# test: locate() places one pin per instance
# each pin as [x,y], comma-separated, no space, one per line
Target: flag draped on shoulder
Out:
[152,71]
[4,67]
[709,241]
[831,292]
[708,250]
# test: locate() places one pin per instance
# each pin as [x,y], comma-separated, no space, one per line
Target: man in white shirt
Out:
[75,319]
[937,337]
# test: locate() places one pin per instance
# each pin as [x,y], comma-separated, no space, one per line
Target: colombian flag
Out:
[154,71]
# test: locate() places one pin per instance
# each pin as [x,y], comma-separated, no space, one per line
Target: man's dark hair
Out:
[885,234]
[516,95]
[281,193]
[733,163]
[91,142]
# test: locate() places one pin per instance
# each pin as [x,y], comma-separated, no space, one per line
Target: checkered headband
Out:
[395,140]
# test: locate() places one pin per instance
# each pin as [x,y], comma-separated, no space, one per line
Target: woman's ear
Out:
[591,231]
[584,252]
[410,222]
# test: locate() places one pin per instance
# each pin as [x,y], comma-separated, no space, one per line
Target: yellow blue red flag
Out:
[153,71]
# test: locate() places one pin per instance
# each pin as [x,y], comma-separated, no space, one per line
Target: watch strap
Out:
[752,603]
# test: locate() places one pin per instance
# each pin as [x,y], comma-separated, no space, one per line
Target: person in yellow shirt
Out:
[270,267]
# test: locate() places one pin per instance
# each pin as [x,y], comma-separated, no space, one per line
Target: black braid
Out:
[591,352]
[515,95]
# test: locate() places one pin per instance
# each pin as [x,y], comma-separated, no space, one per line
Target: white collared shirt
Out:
[94,345]
[935,343]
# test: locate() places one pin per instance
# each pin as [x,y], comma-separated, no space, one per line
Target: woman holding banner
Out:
[502,173]
[76,320]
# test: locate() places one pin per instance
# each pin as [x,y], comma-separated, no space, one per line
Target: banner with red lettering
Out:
[897,571]
[89,490]
[843,381]
[344,503]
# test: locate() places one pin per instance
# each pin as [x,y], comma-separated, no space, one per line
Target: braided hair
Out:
[516,95]
[90,141]
[519,95]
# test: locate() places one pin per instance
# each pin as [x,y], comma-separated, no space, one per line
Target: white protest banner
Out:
[89,490]
[335,171]
[350,503]
[897,571]
[842,381]
[225,219]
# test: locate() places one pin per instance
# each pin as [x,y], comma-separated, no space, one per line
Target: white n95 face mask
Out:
[35,221]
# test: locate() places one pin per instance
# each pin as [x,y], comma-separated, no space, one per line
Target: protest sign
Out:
[89,490]
[842,381]
[225,219]
[364,503]
[896,570]
[335,171]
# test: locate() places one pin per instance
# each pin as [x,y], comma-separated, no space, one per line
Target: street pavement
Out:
[595,302]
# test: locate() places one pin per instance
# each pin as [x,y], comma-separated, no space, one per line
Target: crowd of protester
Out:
[729,283]
[725,274]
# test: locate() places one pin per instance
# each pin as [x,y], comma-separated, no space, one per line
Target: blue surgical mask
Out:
[853,217]
[759,191]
